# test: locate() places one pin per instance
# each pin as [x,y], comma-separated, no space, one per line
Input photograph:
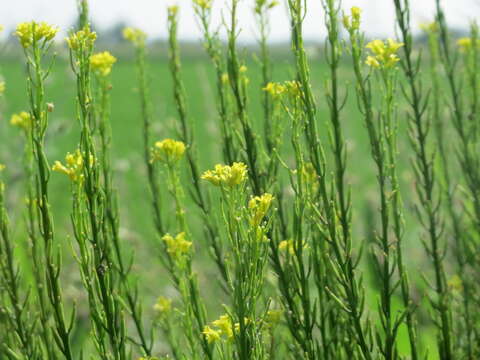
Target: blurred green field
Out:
[130,181]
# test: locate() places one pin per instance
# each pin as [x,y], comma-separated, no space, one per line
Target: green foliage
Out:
[267,254]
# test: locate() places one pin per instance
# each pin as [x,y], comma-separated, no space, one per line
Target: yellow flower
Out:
[429,27]
[2,87]
[29,32]
[210,334]
[352,22]
[243,69]
[172,10]
[23,120]
[204,4]
[168,151]
[455,283]
[135,36]
[466,43]
[224,324]
[226,175]
[73,168]
[1,28]
[264,4]
[2,167]
[286,245]
[289,245]
[163,305]
[384,54]
[275,89]
[372,62]
[102,63]
[273,317]
[225,78]
[177,246]
[310,177]
[259,205]
[82,39]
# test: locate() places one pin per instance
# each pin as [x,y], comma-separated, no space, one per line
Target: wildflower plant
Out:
[287,237]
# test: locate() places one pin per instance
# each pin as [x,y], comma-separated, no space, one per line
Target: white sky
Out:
[150,15]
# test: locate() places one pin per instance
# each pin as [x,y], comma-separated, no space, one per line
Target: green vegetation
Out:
[239,205]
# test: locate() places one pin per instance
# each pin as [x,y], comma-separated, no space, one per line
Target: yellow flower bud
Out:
[74,165]
[177,246]
[135,36]
[203,4]
[210,334]
[168,151]
[29,32]
[23,120]
[102,63]
[384,54]
[259,206]
[163,305]
[82,39]
[172,10]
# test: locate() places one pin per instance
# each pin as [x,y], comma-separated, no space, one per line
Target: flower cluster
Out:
[172,11]
[82,39]
[178,245]
[275,89]
[227,175]
[203,4]
[466,44]
[264,4]
[220,327]
[384,53]
[291,88]
[136,36]
[102,63]
[30,32]
[2,167]
[168,151]
[273,317]
[259,206]
[310,177]
[73,168]
[2,87]
[289,246]
[429,27]
[23,120]
[163,306]
[352,21]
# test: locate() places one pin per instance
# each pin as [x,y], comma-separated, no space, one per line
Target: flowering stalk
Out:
[23,120]
[36,39]
[178,250]
[290,256]
[425,173]
[91,208]
[383,140]
[238,81]
[348,292]
[247,232]
[138,38]
[198,195]
[101,64]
